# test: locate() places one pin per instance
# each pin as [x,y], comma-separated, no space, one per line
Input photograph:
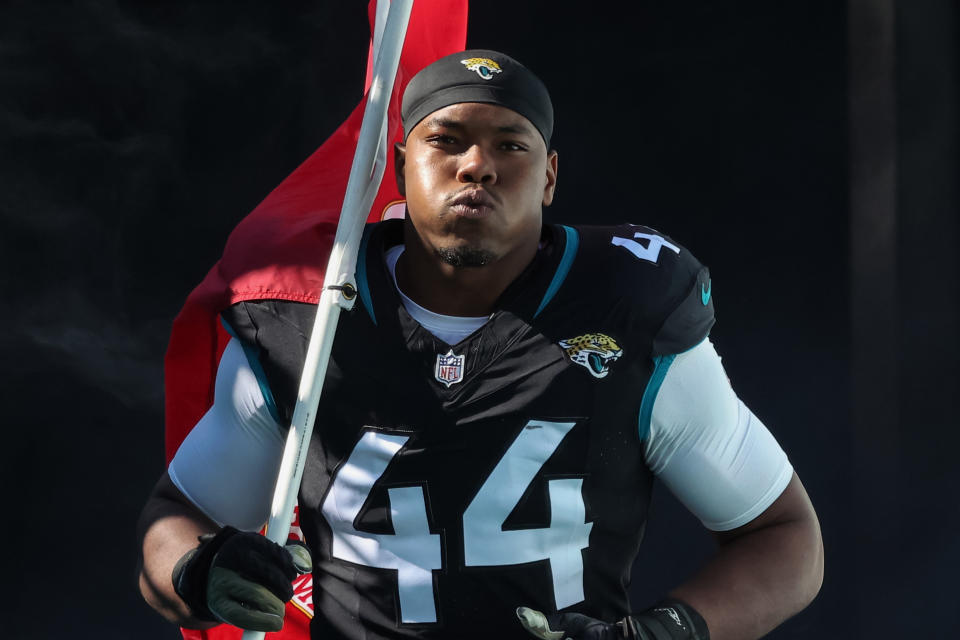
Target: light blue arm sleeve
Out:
[708,448]
[227,465]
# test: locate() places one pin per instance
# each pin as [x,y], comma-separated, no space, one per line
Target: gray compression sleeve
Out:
[227,465]
[708,447]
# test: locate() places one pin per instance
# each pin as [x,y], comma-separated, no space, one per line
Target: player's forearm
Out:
[758,580]
[168,530]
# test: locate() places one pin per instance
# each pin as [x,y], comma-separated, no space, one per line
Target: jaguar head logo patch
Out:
[592,351]
[485,67]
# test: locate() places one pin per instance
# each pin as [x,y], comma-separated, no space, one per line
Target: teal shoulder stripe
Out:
[253,359]
[660,366]
[363,287]
[569,253]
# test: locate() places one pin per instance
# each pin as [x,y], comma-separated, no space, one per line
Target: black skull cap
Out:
[477,75]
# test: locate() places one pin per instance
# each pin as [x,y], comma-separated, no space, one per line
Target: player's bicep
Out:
[708,447]
[227,465]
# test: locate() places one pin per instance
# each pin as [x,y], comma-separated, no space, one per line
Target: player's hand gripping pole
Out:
[339,285]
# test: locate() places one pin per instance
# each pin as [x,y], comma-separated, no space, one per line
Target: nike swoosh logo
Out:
[705,292]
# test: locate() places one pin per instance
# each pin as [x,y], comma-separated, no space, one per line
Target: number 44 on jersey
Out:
[414,552]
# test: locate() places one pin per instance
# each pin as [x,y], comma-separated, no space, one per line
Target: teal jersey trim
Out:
[660,366]
[569,253]
[363,287]
[253,359]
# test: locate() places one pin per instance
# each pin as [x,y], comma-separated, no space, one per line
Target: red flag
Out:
[280,251]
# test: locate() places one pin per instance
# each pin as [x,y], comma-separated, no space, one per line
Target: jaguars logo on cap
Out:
[593,351]
[485,67]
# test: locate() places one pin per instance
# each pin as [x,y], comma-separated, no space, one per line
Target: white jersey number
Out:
[485,543]
[651,252]
[415,553]
[411,550]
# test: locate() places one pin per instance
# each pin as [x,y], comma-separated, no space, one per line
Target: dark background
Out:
[807,152]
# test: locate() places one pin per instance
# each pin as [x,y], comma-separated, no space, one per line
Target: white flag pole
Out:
[339,285]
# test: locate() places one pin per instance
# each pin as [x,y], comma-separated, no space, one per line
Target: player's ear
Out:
[399,161]
[551,183]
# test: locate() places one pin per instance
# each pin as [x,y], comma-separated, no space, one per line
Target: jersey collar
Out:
[526,297]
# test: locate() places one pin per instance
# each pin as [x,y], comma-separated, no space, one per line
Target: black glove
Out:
[240,578]
[669,620]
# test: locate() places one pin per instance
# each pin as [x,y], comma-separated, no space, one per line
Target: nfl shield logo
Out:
[449,369]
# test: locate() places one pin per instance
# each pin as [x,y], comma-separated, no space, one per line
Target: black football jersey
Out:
[447,485]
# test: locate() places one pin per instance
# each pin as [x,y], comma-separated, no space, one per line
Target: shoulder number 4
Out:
[651,252]
[414,552]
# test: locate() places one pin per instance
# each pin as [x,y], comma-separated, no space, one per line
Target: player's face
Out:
[475,177]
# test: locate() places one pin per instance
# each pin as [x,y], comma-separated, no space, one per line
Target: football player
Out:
[493,418]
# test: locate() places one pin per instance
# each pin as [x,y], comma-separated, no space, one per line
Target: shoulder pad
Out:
[278,331]
[690,321]
[238,323]
[666,285]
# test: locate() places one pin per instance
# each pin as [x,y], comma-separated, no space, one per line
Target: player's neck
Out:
[458,291]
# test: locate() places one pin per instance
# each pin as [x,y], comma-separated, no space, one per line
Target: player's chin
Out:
[466,255]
